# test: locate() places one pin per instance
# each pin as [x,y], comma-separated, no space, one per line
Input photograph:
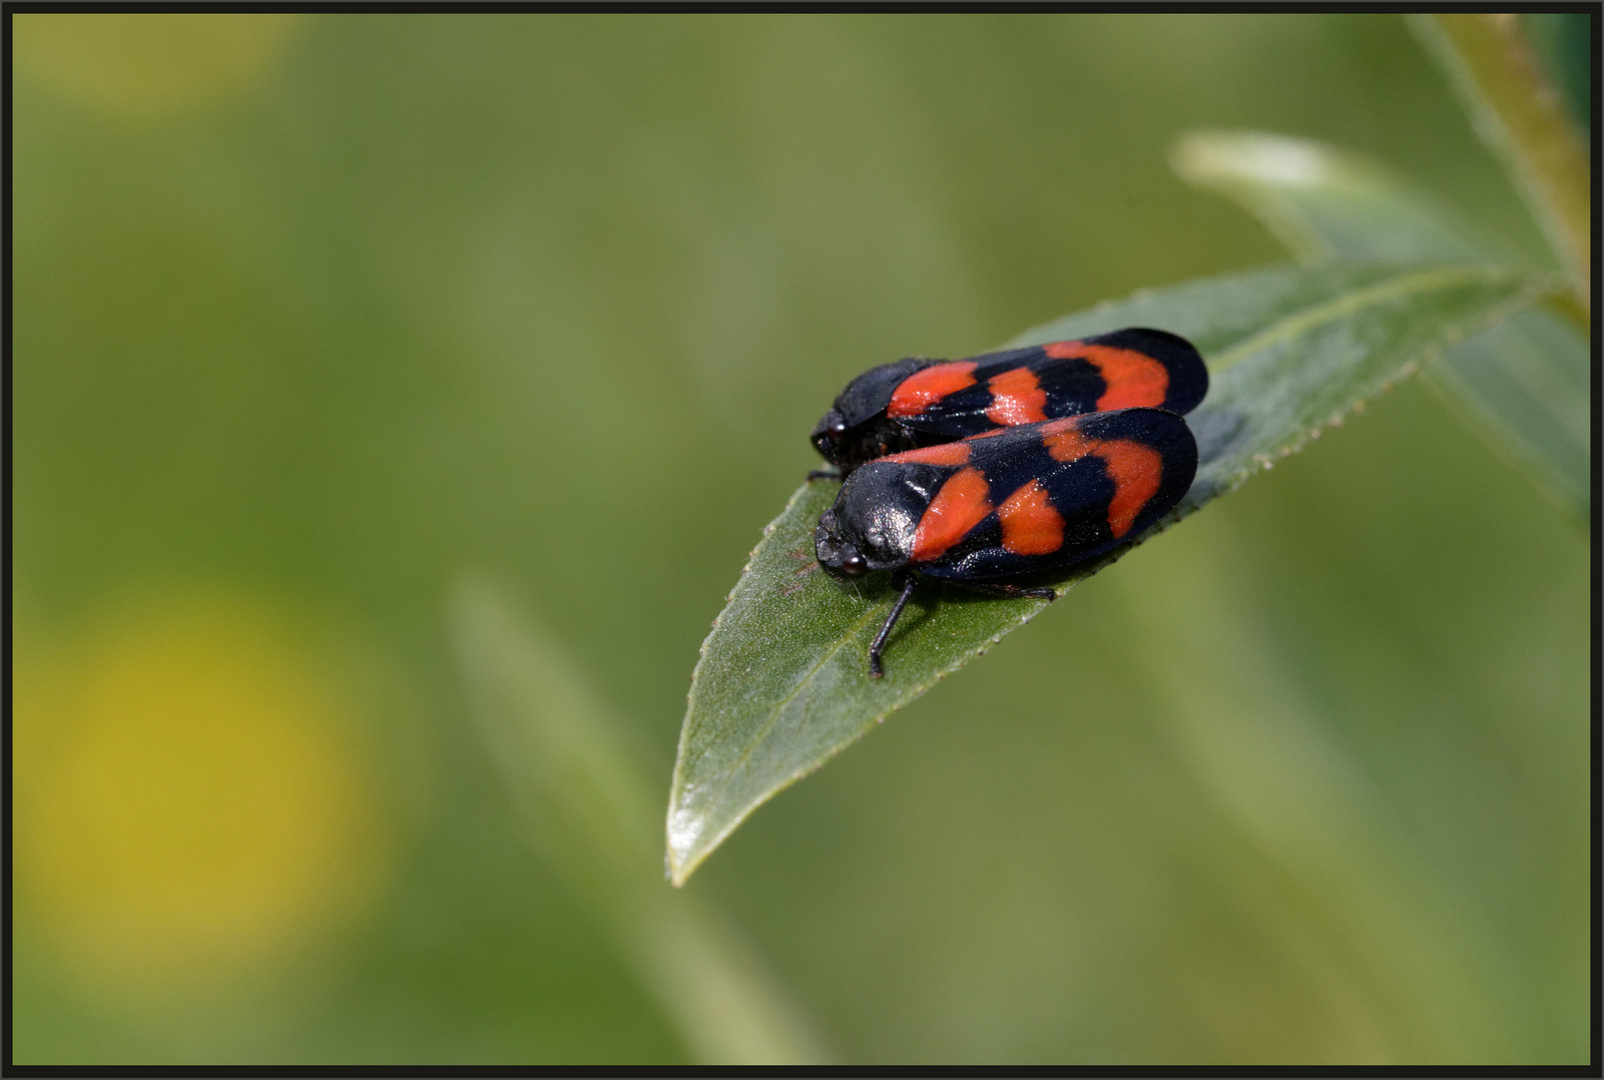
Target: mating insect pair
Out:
[1007,464]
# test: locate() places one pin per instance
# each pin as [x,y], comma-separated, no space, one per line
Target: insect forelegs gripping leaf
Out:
[905,586]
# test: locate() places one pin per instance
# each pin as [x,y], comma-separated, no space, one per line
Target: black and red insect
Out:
[1007,503]
[917,402]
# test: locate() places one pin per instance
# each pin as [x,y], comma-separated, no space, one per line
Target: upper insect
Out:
[917,402]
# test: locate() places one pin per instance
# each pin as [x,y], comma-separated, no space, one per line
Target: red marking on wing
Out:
[1135,468]
[923,388]
[1134,380]
[953,453]
[1136,471]
[1017,398]
[1065,442]
[1030,524]
[960,505]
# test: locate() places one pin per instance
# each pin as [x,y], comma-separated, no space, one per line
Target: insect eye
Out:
[837,428]
[853,564]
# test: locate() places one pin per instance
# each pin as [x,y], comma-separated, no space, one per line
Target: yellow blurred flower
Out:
[189,806]
[141,66]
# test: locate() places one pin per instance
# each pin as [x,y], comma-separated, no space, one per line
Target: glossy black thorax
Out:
[857,429]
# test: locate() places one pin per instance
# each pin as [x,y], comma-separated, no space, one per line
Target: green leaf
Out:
[1524,384]
[782,684]
[586,808]
[1520,116]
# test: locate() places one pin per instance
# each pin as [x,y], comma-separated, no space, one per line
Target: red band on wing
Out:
[1134,380]
[1065,442]
[1017,398]
[960,505]
[1030,524]
[923,388]
[1136,470]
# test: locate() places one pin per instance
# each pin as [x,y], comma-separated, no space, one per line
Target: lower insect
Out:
[1007,504]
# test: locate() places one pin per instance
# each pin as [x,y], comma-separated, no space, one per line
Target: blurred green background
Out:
[315,314]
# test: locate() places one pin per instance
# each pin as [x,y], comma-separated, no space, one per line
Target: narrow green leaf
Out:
[1524,384]
[782,684]
[587,810]
[1520,116]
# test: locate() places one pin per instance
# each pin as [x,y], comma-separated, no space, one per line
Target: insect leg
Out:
[825,474]
[885,630]
[1012,591]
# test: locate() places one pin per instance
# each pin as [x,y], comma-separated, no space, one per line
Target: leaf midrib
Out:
[779,706]
[1331,310]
